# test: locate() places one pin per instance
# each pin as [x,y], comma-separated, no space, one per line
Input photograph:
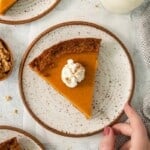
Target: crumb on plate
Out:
[16,111]
[8,98]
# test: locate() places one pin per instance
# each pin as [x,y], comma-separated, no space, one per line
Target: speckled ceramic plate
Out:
[114,82]
[24,11]
[26,141]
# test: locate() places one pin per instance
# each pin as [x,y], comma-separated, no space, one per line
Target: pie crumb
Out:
[16,111]
[8,98]
[97,5]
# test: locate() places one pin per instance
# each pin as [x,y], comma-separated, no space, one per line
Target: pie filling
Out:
[5,5]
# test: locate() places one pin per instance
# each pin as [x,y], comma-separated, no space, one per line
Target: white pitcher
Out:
[121,6]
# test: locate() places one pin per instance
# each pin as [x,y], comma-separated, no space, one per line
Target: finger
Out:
[108,142]
[122,128]
[136,124]
[135,120]
[126,146]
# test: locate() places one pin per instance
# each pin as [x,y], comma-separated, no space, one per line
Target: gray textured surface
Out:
[141,20]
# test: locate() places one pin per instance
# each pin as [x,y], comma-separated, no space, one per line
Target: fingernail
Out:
[106,131]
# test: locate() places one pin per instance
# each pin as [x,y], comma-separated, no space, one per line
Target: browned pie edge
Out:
[5,127]
[37,39]
[76,45]
[30,19]
[11,57]
[9,142]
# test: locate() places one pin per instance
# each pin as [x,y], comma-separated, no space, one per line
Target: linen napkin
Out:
[141,20]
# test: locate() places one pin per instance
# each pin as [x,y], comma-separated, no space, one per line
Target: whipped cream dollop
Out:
[72,73]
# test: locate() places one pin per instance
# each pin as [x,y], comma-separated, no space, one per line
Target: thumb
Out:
[108,142]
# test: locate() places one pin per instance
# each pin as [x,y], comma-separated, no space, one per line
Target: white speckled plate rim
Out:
[8,132]
[52,29]
[29,18]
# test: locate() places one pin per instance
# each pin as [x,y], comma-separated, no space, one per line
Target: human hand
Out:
[135,129]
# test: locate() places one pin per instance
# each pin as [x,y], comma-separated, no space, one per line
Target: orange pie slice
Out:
[5,4]
[11,144]
[49,65]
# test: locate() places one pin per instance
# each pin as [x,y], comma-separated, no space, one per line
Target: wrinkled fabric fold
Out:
[141,20]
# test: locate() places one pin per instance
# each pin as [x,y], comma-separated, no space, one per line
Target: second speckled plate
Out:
[114,83]
[26,140]
[24,11]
